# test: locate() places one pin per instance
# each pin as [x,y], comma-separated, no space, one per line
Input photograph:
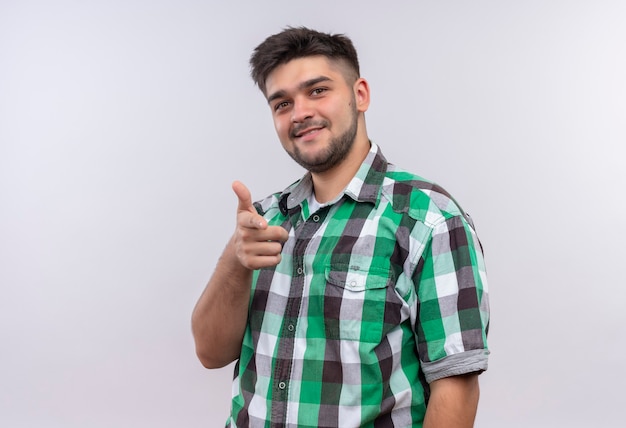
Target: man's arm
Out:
[453,402]
[219,318]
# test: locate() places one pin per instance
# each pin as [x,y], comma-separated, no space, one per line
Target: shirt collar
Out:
[365,186]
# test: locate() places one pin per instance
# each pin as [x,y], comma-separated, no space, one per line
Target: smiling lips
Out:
[307,130]
[308,133]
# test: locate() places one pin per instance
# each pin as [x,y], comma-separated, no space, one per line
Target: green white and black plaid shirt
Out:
[378,293]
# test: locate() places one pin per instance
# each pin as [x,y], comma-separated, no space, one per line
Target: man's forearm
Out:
[219,318]
[453,402]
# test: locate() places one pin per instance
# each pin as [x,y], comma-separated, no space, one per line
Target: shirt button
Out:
[282,385]
[300,271]
[290,327]
[352,284]
[316,218]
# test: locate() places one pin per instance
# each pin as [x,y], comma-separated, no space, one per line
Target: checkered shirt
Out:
[378,294]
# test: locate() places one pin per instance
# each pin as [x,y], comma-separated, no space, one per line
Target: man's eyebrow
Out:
[306,84]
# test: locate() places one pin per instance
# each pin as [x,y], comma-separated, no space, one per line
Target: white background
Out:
[123,123]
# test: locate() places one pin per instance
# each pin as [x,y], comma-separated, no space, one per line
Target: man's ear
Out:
[362,94]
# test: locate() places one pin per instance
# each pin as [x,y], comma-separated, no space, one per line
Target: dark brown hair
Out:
[301,42]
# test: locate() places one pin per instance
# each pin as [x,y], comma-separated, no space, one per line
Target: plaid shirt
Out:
[378,293]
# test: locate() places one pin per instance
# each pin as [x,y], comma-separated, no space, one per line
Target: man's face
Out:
[314,111]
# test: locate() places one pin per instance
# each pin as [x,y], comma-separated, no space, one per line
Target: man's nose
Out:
[302,110]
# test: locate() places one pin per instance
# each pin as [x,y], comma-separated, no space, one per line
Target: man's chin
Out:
[313,164]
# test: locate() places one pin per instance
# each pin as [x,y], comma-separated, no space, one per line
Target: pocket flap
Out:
[356,278]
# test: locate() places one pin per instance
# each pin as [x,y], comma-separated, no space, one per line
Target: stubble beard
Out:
[334,154]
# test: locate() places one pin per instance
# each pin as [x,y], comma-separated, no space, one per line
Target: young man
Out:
[357,296]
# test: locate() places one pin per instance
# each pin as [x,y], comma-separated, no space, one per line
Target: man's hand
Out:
[220,316]
[257,245]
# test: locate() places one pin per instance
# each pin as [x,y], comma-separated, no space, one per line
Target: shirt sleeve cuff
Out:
[474,361]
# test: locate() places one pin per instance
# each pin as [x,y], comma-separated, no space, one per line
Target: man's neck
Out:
[329,184]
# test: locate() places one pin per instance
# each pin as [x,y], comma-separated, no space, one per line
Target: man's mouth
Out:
[307,129]
[306,132]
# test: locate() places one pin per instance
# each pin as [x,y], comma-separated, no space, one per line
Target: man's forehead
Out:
[292,74]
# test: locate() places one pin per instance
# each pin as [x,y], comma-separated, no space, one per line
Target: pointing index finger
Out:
[243,196]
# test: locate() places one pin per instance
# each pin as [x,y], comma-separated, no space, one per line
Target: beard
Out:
[331,156]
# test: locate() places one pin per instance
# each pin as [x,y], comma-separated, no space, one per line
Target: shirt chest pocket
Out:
[355,302]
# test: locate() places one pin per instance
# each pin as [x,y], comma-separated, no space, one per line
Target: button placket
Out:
[305,230]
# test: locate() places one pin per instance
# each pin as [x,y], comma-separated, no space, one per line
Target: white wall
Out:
[123,123]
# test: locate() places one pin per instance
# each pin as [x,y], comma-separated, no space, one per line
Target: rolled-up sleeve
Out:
[453,303]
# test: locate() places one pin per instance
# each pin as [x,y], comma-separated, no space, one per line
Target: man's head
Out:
[302,42]
[317,98]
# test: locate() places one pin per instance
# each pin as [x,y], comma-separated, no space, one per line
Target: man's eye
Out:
[318,91]
[281,105]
